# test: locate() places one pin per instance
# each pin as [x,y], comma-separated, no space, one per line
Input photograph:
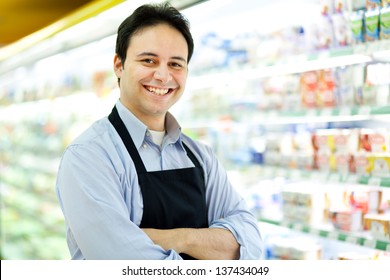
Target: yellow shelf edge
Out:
[85,12]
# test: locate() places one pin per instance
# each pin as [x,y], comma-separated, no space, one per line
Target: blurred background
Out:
[293,96]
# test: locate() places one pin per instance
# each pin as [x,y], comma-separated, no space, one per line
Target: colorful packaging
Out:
[359,163]
[373,4]
[347,220]
[385,23]
[372,25]
[375,140]
[365,200]
[379,165]
[378,225]
[308,89]
[357,27]
[326,88]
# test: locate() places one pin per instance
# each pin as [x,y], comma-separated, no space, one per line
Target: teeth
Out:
[158,91]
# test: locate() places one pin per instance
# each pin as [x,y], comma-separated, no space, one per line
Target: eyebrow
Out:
[155,55]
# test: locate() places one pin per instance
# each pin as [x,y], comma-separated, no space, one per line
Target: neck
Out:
[154,123]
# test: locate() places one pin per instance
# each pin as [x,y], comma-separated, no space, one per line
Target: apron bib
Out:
[171,198]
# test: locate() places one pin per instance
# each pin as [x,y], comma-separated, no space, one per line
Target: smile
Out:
[158,91]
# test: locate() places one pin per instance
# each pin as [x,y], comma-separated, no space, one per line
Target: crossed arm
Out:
[202,244]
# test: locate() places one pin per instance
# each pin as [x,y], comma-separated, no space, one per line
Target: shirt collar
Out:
[138,129]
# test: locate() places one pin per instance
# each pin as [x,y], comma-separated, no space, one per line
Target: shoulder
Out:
[99,138]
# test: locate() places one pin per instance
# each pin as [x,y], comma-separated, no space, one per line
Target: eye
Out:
[176,65]
[148,61]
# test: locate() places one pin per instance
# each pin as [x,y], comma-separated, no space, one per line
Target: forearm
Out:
[203,244]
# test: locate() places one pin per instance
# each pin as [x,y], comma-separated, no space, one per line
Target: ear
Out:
[118,66]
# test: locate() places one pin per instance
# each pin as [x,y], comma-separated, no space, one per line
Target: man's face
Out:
[153,76]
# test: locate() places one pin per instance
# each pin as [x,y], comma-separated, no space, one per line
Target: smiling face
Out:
[154,74]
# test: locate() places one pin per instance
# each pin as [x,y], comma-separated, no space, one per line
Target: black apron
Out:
[171,198]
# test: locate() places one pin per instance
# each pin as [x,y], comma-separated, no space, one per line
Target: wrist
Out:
[184,237]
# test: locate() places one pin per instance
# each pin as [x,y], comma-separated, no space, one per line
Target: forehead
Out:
[158,37]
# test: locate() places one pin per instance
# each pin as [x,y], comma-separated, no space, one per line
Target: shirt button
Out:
[147,133]
[144,146]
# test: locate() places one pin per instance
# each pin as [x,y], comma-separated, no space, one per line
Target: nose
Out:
[163,74]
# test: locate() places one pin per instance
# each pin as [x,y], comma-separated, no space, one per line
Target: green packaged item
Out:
[385,23]
[372,25]
[357,27]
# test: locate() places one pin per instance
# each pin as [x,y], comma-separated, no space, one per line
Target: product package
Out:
[372,25]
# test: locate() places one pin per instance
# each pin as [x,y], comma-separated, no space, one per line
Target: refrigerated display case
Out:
[272,95]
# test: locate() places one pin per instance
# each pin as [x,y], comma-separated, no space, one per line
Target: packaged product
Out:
[358,5]
[308,89]
[357,27]
[344,89]
[378,225]
[326,88]
[347,220]
[340,6]
[373,4]
[342,160]
[325,32]
[379,165]
[365,200]
[375,140]
[359,163]
[342,30]
[378,74]
[283,247]
[385,23]
[372,25]
[323,140]
[303,203]
[327,7]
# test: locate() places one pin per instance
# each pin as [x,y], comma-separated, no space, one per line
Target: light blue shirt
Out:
[97,187]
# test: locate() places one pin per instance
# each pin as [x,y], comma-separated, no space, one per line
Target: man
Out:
[133,186]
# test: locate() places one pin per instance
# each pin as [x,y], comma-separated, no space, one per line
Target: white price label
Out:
[370,243]
[326,112]
[352,179]
[314,231]
[364,110]
[333,235]
[374,181]
[311,113]
[334,177]
[352,239]
[297,227]
[345,111]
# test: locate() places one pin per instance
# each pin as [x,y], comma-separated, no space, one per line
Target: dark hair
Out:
[150,15]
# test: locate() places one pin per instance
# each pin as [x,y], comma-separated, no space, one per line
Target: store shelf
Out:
[296,174]
[295,64]
[354,238]
[336,114]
